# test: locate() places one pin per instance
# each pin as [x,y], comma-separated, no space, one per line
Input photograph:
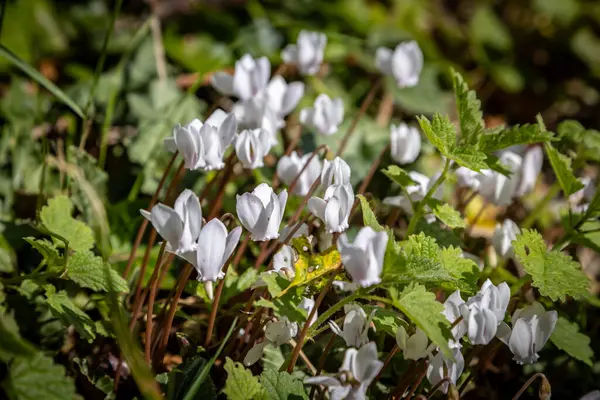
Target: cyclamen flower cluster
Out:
[262,105]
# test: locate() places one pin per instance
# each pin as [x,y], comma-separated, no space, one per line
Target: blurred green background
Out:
[521,56]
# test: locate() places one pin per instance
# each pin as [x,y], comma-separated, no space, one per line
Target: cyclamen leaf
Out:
[63,308]
[421,307]
[285,306]
[56,217]
[518,134]
[398,175]
[89,271]
[240,384]
[561,165]
[469,111]
[554,273]
[281,386]
[449,216]
[386,320]
[369,218]
[34,378]
[566,336]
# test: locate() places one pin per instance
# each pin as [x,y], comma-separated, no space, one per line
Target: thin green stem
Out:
[418,212]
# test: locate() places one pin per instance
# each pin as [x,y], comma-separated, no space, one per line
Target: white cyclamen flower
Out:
[276,334]
[356,326]
[452,307]
[416,192]
[251,146]
[286,230]
[261,212]
[214,248]
[284,261]
[468,178]
[334,208]
[485,311]
[288,168]
[335,172]
[307,304]
[498,188]
[533,161]
[179,226]
[307,54]
[415,346]
[405,143]
[325,115]
[403,63]
[358,370]
[203,145]
[503,237]
[439,365]
[531,329]
[250,77]
[363,259]
[268,108]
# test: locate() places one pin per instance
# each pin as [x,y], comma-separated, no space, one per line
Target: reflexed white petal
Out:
[167,223]
[255,353]
[211,248]
[294,93]
[383,60]
[248,208]
[223,82]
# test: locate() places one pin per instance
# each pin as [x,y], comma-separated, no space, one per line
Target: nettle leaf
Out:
[398,175]
[369,218]
[63,308]
[449,216]
[440,132]
[518,134]
[281,386]
[48,251]
[421,307]
[33,378]
[90,271]
[8,257]
[566,336]
[469,111]
[386,320]
[561,165]
[240,384]
[554,273]
[11,343]
[57,218]
[420,259]
[443,236]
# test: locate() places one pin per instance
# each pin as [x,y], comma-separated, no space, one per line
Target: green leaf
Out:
[34,378]
[281,386]
[440,132]
[515,135]
[11,343]
[56,217]
[369,218]
[275,283]
[487,29]
[386,320]
[8,258]
[469,111]
[571,129]
[420,306]
[48,251]
[90,271]
[63,308]
[240,384]
[443,236]
[285,306]
[41,79]
[561,165]
[419,259]
[566,336]
[398,175]
[182,377]
[449,216]
[554,273]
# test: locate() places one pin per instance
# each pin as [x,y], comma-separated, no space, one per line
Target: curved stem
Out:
[361,112]
[528,383]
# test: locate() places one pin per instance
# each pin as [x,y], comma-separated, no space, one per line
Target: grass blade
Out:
[190,395]
[41,79]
